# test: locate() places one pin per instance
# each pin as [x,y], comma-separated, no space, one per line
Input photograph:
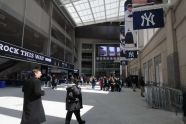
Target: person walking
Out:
[134,81]
[93,82]
[101,83]
[33,112]
[142,83]
[74,103]
[54,82]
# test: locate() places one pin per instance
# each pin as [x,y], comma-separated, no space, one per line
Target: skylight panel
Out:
[121,13]
[111,16]
[85,12]
[79,2]
[77,20]
[101,14]
[96,3]
[100,18]
[87,18]
[74,15]
[107,1]
[71,9]
[98,9]
[113,11]
[111,1]
[121,9]
[86,5]
[114,5]
[108,12]
[122,2]
[68,5]
[80,7]
[108,6]
[91,11]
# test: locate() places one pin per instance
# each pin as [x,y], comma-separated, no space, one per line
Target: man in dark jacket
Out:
[74,103]
[33,112]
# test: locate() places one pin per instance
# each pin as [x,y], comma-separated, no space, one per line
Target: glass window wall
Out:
[11,23]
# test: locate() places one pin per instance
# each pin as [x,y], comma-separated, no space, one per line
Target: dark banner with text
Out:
[16,52]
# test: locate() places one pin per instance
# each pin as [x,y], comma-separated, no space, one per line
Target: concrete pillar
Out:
[80,56]
[172,53]
[73,44]
[139,64]
[120,70]
[50,30]
[94,59]
[24,21]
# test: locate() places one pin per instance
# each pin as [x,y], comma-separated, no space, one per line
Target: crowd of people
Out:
[33,93]
[106,83]
[33,111]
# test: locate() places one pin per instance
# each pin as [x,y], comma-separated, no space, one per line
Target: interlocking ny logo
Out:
[131,54]
[149,19]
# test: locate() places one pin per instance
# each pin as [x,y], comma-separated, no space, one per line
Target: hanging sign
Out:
[148,19]
[16,52]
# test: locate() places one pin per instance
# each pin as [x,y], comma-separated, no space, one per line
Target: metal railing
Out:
[164,98]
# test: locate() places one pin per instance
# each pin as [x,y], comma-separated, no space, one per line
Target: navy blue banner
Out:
[131,54]
[16,52]
[148,19]
[124,62]
[122,53]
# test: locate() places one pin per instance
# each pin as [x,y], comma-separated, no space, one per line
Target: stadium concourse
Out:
[99,107]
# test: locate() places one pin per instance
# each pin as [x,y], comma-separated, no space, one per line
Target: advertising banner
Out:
[130,40]
[148,19]
[124,62]
[131,54]
[16,52]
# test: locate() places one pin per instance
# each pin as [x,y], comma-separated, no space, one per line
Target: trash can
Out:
[2,84]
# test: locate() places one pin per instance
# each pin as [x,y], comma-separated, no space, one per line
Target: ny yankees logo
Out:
[131,55]
[149,19]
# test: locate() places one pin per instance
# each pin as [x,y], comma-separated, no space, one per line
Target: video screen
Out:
[111,51]
[118,51]
[102,51]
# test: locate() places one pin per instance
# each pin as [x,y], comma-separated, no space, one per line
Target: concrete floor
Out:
[126,107]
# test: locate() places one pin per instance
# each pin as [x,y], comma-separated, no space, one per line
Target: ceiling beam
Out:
[119,7]
[92,11]
[77,12]
[105,10]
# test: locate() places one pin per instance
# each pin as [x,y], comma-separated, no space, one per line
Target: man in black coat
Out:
[33,112]
[74,103]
